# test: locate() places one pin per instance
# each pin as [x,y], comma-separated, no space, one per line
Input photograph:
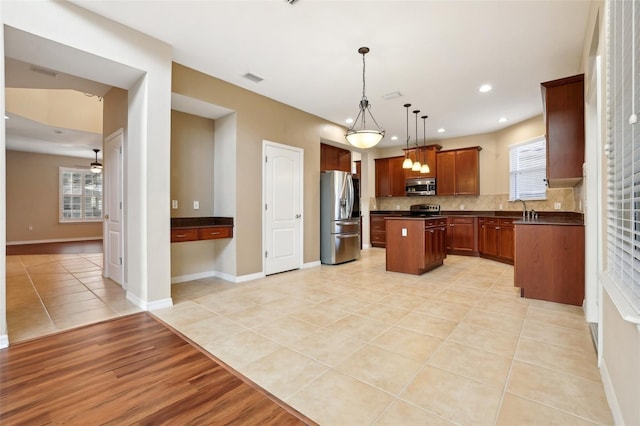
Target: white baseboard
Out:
[55,240]
[4,341]
[148,306]
[192,277]
[610,393]
[311,264]
[250,277]
[366,246]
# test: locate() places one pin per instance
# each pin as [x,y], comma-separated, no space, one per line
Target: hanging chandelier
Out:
[358,134]
[407,163]
[96,167]
[425,167]
[416,164]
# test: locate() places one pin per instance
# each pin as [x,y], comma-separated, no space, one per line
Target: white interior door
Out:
[282,179]
[112,236]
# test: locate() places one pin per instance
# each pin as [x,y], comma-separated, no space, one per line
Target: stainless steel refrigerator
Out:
[339,223]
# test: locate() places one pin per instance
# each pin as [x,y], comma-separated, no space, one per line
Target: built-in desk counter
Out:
[200,228]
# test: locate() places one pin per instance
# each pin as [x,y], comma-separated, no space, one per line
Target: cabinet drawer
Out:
[491,221]
[461,219]
[506,222]
[178,235]
[213,233]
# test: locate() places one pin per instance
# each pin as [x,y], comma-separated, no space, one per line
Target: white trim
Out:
[311,264]
[625,309]
[142,304]
[148,306]
[54,240]
[610,393]
[366,246]
[250,277]
[4,341]
[193,277]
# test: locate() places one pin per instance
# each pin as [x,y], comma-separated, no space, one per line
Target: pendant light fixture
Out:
[96,167]
[358,134]
[407,163]
[425,167]
[416,164]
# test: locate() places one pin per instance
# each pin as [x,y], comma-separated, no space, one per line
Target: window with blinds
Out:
[80,195]
[528,170]
[623,150]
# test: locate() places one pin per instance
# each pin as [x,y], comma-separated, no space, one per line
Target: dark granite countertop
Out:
[415,217]
[544,218]
[200,222]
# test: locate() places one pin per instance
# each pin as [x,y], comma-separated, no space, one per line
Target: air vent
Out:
[392,95]
[43,71]
[253,77]
[291,1]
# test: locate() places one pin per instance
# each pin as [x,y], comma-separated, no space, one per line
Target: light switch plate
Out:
[404,232]
[196,205]
[557,206]
[174,204]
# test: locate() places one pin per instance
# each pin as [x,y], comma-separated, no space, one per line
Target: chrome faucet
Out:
[524,207]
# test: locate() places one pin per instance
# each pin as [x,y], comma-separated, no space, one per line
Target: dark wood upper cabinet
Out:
[334,158]
[563,102]
[458,171]
[389,177]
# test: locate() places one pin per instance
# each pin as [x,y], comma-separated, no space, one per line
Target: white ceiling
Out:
[435,53]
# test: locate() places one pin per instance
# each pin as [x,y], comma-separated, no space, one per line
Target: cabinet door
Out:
[506,240]
[446,172]
[429,156]
[334,158]
[397,176]
[383,178]
[461,235]
[344,160]
[467,178]
[564,115]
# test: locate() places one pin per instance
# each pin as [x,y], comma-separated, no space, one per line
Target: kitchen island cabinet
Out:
[549,260]
[378,228]
[415,245]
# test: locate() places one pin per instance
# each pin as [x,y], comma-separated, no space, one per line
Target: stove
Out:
[425,210]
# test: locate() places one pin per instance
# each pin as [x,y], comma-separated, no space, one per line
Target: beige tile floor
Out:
[49,293]
[353,344]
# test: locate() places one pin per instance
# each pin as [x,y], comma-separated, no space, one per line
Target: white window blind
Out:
[80,195]
[623,151]
[528,170]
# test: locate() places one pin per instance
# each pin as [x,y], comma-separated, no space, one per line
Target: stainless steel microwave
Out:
[420,186]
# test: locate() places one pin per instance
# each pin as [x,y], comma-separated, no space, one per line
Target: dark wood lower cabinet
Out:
[462,235]
[549,262]
[496,239]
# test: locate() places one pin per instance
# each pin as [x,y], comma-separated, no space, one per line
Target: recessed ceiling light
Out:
[394,138]
[6,117]
[440,130]
[57,132]
[485,88]
[349,120]
[502,120]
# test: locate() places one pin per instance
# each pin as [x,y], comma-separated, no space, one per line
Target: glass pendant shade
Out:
[96,167]
[416,166]
[425,168]
[407,163]
[359,135]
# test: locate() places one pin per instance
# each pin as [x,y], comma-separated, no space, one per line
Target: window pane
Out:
[528,170]
[80,195]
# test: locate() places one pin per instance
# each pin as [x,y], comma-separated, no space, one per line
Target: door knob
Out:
[298,216]
[106,216]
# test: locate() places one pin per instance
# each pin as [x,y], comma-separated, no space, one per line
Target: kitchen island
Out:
[415,245]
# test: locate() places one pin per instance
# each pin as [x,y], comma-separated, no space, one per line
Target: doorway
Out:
[283,201]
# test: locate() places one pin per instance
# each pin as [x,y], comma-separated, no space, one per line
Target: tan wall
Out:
[192,164]
[32,199]
[115,111]
[260,118]
[67,109]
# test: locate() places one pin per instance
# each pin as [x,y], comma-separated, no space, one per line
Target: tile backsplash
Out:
[564,196]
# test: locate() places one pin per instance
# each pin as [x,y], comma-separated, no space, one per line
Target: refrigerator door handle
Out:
[341,236]
[349,195]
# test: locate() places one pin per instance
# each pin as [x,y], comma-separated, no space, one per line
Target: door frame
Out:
[300,151]
[105,241]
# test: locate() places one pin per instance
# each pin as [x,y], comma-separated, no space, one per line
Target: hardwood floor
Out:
[90,246]
[129,370]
